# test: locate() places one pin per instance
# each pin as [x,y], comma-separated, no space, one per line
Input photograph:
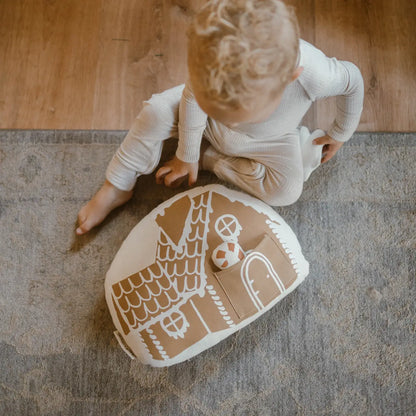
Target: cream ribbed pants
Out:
[271,170]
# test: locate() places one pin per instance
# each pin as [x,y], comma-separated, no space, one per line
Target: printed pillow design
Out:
[168,299]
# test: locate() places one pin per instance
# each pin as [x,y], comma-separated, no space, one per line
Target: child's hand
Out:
[174,172]
[331,146]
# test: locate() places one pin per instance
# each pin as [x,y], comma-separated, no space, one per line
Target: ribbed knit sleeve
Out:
[191,126]
[327,77]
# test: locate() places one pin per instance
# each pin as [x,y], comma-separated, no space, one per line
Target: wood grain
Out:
[380,37]
[71,64]
[49,50]
[305,13]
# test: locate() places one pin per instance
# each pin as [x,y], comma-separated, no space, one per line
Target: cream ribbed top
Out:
[322,77]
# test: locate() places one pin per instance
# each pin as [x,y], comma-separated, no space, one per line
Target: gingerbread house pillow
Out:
[196,269]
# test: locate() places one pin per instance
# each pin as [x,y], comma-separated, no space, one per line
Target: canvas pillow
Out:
[168,299]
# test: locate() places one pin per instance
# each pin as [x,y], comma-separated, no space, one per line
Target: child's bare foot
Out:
[102,203]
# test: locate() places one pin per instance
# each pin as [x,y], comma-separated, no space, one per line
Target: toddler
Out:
[251,81]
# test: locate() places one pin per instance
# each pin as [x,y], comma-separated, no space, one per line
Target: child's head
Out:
[241,56]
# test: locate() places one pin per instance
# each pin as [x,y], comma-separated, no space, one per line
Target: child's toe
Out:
[84,223]
[82,215]
[80,230]
[83,228]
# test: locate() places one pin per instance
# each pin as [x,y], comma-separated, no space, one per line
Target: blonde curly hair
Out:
[237,48]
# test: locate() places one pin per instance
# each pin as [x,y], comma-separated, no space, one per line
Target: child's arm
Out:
[191,126]
[348,87]
[326,77]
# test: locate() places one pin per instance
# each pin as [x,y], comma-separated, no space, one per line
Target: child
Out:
[251,81]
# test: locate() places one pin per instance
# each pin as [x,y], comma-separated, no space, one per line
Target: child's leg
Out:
[140,151]
[138,154]
[311,153]
[272,171]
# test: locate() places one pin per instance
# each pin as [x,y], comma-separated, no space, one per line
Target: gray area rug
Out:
[342,344]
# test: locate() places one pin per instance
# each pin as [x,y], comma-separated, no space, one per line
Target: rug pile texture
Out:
[344,343]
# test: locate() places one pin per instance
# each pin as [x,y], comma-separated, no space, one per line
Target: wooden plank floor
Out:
[72,64]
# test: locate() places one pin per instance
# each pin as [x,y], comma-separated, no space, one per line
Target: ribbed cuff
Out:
[120,176]
[188,148]
[338,134]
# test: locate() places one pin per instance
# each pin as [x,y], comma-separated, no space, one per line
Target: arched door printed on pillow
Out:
[258,286]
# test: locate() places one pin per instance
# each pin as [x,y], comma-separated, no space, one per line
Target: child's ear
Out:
[297,73]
